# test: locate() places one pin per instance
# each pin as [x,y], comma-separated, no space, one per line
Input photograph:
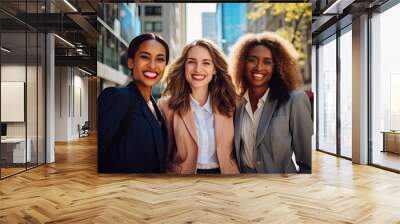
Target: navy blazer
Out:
[130,139]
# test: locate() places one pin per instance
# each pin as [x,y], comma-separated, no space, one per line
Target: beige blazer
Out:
[183,145]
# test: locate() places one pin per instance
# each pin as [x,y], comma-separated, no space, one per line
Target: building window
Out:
[152,10]
[346,94]
[385,89]
[153,26]
[327,96]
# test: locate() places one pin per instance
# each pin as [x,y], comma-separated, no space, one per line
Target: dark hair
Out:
[285,74]
[137,41]
[278,88]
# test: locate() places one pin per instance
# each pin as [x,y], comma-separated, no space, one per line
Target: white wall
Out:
[79,117]
[71,93]
[33,126]
[61,103]
[13,73]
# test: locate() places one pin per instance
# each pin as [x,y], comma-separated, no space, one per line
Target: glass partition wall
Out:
[385,89]
[326,60]
[345,62]
[22,77]
[334,90]
[13,89]
[334,94]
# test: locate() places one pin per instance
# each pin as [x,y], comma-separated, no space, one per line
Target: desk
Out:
[15,148]
[391,141]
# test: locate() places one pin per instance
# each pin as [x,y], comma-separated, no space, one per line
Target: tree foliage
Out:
[296,19]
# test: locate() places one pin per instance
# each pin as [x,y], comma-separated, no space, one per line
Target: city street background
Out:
[179,24]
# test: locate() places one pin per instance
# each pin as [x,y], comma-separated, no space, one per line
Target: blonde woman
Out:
[198,105]
[273,125]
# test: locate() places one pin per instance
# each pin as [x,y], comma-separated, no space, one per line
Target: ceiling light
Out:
[65,41]
[5,49]
[70,5]
[331,7]
[337,7]
[84,71]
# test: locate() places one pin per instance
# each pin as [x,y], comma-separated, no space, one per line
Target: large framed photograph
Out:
[205,88]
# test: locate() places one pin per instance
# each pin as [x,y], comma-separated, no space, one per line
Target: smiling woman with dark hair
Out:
[132,136]
[273,125]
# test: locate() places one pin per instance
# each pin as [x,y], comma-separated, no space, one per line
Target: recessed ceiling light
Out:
[5,49]
[70,5]
[337,7]
[64,40]
[84,71]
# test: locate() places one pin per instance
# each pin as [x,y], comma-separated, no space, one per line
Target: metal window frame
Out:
[379,10]
[152,10]
[338,33]
[387,5]
[326,40]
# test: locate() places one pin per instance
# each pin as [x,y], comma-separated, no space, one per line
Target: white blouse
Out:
[204,121]
[249,129]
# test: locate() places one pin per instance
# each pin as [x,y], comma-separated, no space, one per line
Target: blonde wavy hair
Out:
[285,75]
[221,89]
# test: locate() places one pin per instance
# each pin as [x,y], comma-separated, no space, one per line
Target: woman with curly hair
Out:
[273,125]
[198,105]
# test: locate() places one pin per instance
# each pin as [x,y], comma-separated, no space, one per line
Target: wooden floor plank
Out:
[71,191]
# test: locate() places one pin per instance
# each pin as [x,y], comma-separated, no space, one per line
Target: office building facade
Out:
[231,24]
[167,20]
[117,25]
[209,26]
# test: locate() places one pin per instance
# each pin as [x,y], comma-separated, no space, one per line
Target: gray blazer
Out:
[283,129]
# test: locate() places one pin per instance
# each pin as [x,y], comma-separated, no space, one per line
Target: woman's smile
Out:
[150,75]
[258,75]
[198,77]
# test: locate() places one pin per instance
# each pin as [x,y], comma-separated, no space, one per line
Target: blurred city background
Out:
[179,24]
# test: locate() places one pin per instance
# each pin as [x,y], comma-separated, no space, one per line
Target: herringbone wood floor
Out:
[71,191]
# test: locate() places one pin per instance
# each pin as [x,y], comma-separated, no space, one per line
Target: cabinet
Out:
[391,141]
[13,150]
